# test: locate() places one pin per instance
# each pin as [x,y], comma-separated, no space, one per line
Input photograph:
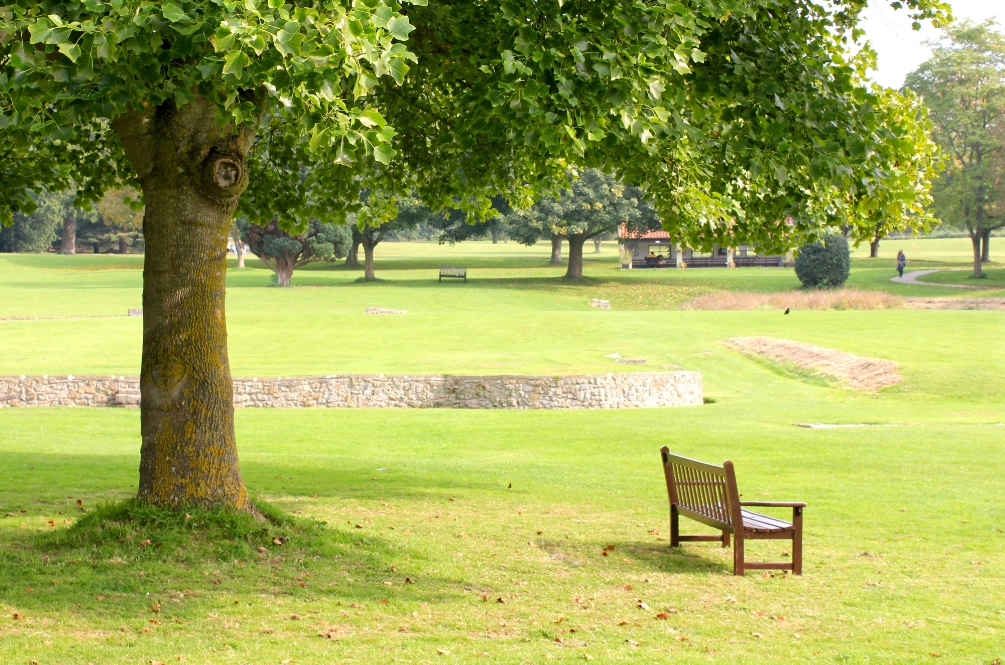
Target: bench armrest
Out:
[775,504]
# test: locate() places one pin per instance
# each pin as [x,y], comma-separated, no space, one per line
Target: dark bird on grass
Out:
[786,310]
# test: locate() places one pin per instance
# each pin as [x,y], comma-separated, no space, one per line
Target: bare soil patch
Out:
[955,303]
[853,371]
[815,299]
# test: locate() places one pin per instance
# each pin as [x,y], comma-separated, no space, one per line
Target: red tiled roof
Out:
[623,233]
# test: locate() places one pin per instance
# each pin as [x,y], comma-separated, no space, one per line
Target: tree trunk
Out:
[596,245]
[238,246]
[975,240]
[192,172]
[68,245]
[284,267]
[96,246]
[368,259]
[495,236]
[575,270]
[556,250]
[985,249]
[352,258]
[123,245]
[874,249]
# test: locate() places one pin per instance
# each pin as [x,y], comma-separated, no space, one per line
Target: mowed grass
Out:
[480,536]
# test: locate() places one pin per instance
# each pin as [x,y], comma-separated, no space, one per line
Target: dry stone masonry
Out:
[597,391]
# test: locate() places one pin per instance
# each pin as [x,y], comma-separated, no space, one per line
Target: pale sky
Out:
[900,48]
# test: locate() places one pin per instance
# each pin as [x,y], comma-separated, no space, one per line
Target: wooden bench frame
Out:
[707,493]
[459,273]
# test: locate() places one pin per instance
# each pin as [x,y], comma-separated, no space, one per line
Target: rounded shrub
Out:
[824,264]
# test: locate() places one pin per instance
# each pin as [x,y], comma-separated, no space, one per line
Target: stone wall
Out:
[597,391]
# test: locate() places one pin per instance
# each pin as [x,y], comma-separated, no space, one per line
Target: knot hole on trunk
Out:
[226,173]
[224,177]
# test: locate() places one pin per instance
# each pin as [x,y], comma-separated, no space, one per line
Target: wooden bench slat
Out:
[758,522]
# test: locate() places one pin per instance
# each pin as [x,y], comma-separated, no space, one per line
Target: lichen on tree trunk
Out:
[68,242]
[192,172]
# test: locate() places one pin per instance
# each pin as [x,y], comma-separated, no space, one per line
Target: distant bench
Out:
[459,273]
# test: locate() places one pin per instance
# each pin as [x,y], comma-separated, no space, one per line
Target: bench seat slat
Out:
[758,522]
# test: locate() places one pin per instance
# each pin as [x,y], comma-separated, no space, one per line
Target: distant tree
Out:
[594,204]
[963,85]
[284,252]
[35,231]
[380,213]
[52,213]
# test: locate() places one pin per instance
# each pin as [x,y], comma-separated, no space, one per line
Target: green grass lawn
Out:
[905,543]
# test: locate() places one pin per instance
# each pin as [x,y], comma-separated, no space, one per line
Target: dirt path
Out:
[855,372]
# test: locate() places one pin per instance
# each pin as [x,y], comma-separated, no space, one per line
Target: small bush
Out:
[824,264]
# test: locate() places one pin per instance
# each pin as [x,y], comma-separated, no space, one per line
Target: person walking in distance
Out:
[901,262]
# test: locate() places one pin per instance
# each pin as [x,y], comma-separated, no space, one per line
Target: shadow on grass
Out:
[130,559]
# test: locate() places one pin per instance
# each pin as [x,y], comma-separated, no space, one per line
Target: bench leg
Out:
[797,541]
[738,568]
[674,527]
[725,538]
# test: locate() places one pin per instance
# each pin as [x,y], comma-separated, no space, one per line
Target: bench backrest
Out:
[704,492]
[453,272]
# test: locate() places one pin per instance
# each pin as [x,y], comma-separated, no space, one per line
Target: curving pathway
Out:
[912,278]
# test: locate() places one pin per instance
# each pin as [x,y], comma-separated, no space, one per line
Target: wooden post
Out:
[730,256]
[679,250]
[797,541]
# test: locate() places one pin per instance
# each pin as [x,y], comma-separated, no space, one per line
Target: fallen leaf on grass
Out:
[559,619]
[408,580]
[154,622]
[18,616]
[51,522]
[633,644]
[155,662]
[754,634]
[609,548]
[500,600]
[641,605]
[262,549]
[155,608]
[663,616]
[934,655]
[681,638]
[295,617]
[329,633]
[145,543]
[443,652]
[276,541]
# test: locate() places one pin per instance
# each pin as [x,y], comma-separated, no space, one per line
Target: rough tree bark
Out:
[68,243]
[556,250]
[192,172]
[575,269]
[985,246]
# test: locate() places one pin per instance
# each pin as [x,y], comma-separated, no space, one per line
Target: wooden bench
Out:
[459,273]
[707,493]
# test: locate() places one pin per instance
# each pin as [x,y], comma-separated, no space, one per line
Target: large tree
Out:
[733,115]
[963,85]
[594,203]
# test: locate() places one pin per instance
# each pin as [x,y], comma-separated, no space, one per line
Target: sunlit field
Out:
[512,536]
